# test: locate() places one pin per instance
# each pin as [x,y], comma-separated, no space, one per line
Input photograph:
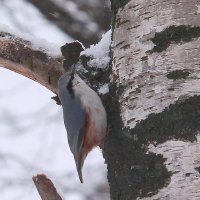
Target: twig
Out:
[45,188]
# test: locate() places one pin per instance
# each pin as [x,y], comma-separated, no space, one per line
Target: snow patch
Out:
[99,53]
[104,89]
[51,49]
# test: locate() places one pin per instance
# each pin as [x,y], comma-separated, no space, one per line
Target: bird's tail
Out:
[79,164]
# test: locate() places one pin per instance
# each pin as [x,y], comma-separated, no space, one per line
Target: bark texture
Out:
[46,188]
[156,71]
[19,56]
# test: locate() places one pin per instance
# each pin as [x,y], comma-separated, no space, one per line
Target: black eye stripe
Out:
[70,86]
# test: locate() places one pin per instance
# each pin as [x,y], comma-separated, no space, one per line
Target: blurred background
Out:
[32,135]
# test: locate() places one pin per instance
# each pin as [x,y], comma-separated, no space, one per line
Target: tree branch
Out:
[45,188]
[19,56]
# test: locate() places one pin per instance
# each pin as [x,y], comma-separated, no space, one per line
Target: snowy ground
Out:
[32,135]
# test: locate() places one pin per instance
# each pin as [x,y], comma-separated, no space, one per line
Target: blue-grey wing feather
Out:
[73,113]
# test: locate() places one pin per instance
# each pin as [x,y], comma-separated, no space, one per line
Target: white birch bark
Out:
[147,89]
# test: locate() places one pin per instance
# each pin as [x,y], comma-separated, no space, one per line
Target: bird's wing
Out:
[74,116]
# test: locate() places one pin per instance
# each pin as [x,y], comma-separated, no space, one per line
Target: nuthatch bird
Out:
[84,117]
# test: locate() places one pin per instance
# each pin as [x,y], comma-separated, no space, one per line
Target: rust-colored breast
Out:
[91,138]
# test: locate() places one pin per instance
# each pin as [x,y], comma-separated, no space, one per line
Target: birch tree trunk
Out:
[153,149]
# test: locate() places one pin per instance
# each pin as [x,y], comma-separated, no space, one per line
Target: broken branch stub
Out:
[46,188]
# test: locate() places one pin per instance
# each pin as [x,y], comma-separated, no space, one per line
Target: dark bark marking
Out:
[179,121]
[132,173]
[138,90]
[144,58]
[197,169]
[120,43]
[49,78]
[174,34]
[171,89]
[125,46]
[116,4]
[147,18]
[133,27]
[132,7]
[147,12]
[178,74]
[121,57]
[188,174]
[119,23]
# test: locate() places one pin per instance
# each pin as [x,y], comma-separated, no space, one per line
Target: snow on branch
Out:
[41,61]
[29,59]
[99,53]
